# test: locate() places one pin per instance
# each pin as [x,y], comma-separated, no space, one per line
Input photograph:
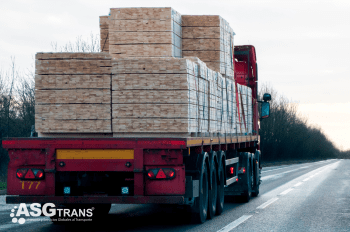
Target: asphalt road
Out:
[300,197]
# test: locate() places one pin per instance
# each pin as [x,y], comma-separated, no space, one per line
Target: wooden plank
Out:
[201,44]
[73,55]
[73,96]
[201,20]
[152,125]
[141,50]
[201,32]
[73,111]
[154,81]
[141,25]
[75,126]
[152,65]
[72,81]
[73,66]
[140,13]
[146,37]
[154,110]
[154,96]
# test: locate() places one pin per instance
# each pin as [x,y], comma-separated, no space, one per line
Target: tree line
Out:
[287,135]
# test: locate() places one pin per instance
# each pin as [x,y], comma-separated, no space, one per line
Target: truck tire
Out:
[199,210]
[247,195]
[256,185]
[255,192]
[257,165]
[213,192]
[221,190]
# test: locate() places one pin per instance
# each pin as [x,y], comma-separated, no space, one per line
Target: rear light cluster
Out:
[30,174]
[161,173]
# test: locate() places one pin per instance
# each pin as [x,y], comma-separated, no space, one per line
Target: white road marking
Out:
[286,191]
[297,184]
[7,226]
[306,179]
[275,176]
[235,223]
[267,203]
[288,166]
[12,225]
[285,167]
[278,175]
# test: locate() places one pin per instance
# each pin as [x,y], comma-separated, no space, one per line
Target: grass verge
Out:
[3,185]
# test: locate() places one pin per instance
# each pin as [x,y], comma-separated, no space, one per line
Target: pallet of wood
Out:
[73,93]
[155,96]
[144,32]
[210,38]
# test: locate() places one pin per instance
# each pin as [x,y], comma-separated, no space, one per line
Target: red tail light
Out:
[30,174]
[241,170]
[21,172]
[232,170]
[39,173]
[161,173]
[151,174]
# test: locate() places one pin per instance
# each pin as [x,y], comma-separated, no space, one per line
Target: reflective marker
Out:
[66,190]
[125,190]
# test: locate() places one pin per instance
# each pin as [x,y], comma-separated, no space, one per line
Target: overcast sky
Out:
[302,46]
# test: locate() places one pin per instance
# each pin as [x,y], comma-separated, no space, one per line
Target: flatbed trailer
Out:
[97,170]
[195,172]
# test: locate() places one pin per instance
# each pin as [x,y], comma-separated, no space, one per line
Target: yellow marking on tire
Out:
[37,185]
[31,183]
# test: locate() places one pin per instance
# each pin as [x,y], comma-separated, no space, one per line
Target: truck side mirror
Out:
[267,97]
[265,110]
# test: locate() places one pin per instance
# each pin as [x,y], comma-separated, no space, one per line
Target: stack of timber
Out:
[73,93]
[155,96]
[140,86]
[144,32]
[210,38]
[170,97]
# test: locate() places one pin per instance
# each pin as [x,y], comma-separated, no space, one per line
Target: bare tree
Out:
[91,44]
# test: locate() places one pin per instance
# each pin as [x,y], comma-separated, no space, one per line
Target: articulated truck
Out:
[196,172]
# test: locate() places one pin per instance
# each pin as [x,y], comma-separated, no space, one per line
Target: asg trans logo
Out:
[21,214]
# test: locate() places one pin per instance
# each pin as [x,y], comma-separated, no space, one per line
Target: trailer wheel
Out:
[221,191]
[256,185]
[213,192]
[255,192]
[200,207]
[248,193]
